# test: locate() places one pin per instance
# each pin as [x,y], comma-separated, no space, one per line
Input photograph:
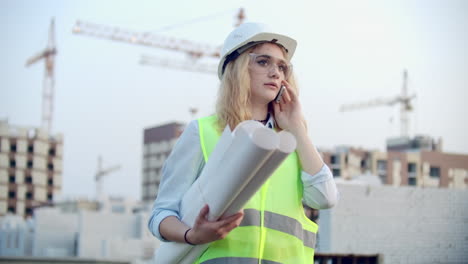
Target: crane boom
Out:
[195,50]
[193,66]
[369,104]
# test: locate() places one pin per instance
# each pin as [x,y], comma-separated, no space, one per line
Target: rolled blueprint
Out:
[238,166]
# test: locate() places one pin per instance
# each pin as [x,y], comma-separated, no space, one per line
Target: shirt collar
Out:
[271,121]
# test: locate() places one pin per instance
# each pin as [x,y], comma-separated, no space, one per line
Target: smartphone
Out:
[280,93]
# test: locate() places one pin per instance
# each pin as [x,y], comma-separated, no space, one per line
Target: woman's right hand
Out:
[205,231]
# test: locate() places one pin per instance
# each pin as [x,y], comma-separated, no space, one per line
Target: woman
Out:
[254,65]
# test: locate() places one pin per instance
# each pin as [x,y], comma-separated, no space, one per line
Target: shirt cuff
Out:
[323,175]
[157,221]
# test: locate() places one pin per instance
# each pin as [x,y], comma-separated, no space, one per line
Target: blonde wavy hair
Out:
[233,103]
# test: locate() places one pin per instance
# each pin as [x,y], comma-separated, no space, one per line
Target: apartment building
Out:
[30,168]
[157,145]
[415,161]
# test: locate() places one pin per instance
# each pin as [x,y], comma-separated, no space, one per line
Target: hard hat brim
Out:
[289,44]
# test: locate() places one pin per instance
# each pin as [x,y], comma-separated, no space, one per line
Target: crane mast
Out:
[48,55]
[100,173]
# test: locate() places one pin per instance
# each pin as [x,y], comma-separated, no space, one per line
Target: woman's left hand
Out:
[288,112]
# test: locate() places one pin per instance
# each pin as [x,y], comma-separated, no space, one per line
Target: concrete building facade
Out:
[404,224]
[157,145]
[30,168]
[116,230]
[16,235]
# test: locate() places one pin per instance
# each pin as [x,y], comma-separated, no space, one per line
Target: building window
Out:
[50,166]
[28,179]
[382,165]
[434,172]
[12,178]
[12,163]
[411,167]
[30,164]
[363,164]
[13,148]
[382,170]
[29,196]
[11,210]
[336,172]
[334,159]
[49,197]
[50,181]
[30,149]
[412,174]
[12,195]
[412,181]
[28,211]
[52,152]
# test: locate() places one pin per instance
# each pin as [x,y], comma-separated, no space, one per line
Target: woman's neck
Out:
[259,112]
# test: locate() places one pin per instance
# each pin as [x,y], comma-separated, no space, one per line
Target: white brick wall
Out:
[19,176]
[3,176]
[3,204]
[5,145]
[22,146]
[3,192]
[20,195]
[40,193]
[20,161]
[57,180]
[41,147]
[405,224]
[57,162]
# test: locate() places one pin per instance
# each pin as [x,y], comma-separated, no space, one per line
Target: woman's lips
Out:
[272,85]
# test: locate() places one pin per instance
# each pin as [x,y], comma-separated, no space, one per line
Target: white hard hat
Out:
[247,35]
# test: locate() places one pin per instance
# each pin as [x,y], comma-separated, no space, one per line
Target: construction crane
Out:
[48,55]
[100,173]
[193,65]
[403,99]
[194,50]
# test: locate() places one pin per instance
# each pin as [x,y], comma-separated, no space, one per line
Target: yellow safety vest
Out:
[274,229]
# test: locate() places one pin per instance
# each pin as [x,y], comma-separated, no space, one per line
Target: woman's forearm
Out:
[172,229]
[310,158]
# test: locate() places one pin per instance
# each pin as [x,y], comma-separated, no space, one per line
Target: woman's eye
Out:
[263,62]
[283,68]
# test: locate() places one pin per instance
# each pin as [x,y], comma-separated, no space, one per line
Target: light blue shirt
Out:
[186,162]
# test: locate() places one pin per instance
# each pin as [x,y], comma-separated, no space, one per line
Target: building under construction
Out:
[408,161]
[30,168]
[157,145]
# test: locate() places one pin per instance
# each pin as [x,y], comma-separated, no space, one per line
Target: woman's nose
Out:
[274,71]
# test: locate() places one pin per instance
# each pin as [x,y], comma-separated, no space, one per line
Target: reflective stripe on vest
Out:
[234,260]
[281,223]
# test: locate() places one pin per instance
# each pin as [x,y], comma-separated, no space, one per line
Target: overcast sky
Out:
[348,51]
